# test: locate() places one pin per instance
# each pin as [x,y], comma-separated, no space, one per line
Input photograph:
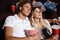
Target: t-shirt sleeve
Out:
[8,22]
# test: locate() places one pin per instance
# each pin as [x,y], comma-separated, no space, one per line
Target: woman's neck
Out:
[21,16]
[37,20]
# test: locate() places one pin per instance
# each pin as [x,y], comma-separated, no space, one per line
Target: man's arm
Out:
[16,38]
[9,34]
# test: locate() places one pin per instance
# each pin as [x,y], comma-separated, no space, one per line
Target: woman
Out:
[38,22]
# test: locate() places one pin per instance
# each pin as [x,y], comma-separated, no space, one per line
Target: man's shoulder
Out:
[10,17]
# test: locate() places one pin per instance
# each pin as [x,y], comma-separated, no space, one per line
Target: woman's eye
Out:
[37,11]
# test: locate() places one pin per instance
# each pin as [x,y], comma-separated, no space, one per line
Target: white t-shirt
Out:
[18,25]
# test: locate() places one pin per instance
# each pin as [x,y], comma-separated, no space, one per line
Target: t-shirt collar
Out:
[20,18]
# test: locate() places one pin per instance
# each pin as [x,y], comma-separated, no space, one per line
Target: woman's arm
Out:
[47,25]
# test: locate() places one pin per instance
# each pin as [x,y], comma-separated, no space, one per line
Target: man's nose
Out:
[29,9]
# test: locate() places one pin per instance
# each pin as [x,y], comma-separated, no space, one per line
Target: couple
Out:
[16,25]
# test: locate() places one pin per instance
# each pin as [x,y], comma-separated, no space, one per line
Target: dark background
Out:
[5,4]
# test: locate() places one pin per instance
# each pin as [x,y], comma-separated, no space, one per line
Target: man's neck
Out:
[49,1]
[21,16]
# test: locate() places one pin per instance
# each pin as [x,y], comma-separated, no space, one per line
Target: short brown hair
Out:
[21,3]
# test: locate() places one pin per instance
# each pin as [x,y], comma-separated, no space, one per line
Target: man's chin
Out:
[26,15]
[37,18]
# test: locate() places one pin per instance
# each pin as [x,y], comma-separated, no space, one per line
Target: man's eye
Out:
[26,6]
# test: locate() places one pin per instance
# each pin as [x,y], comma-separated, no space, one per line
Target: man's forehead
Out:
[27,4]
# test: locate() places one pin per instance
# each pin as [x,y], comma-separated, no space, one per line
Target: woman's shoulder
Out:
[46,21]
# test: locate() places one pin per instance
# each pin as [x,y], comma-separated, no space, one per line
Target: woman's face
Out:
[37,13]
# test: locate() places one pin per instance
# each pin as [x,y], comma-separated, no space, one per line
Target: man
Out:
[15,25]
[50,9]
[50,5]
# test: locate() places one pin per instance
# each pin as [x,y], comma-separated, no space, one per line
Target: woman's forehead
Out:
[37,9]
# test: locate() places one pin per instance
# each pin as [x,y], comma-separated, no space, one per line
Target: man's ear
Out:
[20,8]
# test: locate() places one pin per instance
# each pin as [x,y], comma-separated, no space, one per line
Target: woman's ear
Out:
[20,8]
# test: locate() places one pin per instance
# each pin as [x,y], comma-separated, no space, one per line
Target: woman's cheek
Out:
[37,14]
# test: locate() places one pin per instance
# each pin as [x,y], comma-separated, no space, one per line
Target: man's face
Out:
[26,9]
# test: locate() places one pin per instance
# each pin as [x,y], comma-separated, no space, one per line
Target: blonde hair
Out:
[44,23]
[32,16]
